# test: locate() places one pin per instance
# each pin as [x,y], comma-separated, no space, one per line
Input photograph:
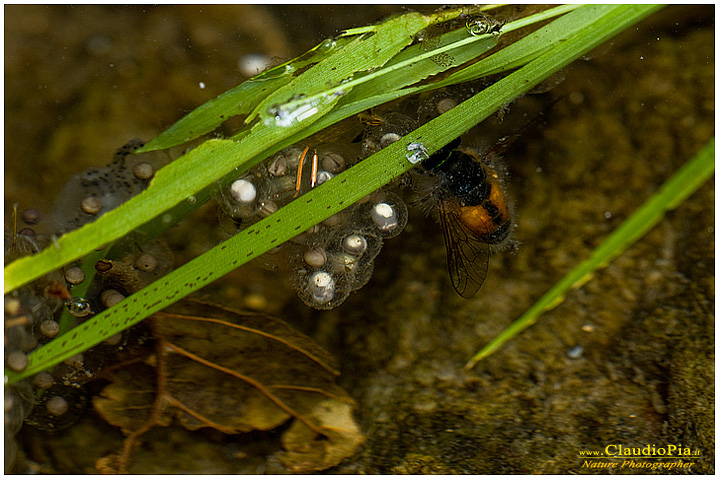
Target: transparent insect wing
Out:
[467,255]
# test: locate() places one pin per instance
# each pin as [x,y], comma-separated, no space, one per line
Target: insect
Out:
[371,119]
[474,211]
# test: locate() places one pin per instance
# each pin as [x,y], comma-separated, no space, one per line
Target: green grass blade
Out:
[215,159]
[308,97]
[680,186]
[220,156]
[240,100]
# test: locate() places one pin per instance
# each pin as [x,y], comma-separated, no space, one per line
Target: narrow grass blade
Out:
[240,100]
[681,185]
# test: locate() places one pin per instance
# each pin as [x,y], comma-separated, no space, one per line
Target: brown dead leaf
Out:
[237,372]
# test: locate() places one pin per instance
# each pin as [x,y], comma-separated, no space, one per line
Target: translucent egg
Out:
[315,257]
[389,138]
[143,170]
[323,176]
[322,287]
[243,191]
[57,406]
[91,205]
[354,244]
[384,216]
[74,275]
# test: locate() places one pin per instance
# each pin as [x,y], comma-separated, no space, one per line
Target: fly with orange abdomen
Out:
[474,211]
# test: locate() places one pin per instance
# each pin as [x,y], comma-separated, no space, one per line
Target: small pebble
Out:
[445,105]
[243,191]
[267,208]
[27,232]
[256,301]
[389,138]
[278,166]
[575,352]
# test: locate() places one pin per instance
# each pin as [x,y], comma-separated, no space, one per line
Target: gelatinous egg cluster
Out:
[98,190]
[334,257]
[36,313]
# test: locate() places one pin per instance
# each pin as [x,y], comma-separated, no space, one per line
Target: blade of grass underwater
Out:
[318,204]
[214,159]
[199,168]
[393,82]
[307,97]
[240,100]
[244,98]
[523,50]
[680,186]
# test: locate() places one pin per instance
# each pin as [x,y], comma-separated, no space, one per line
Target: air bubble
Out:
[482,25]
[253,63]
[79,307]
[327,46]
[416,153]
[295,111]
[192,200]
